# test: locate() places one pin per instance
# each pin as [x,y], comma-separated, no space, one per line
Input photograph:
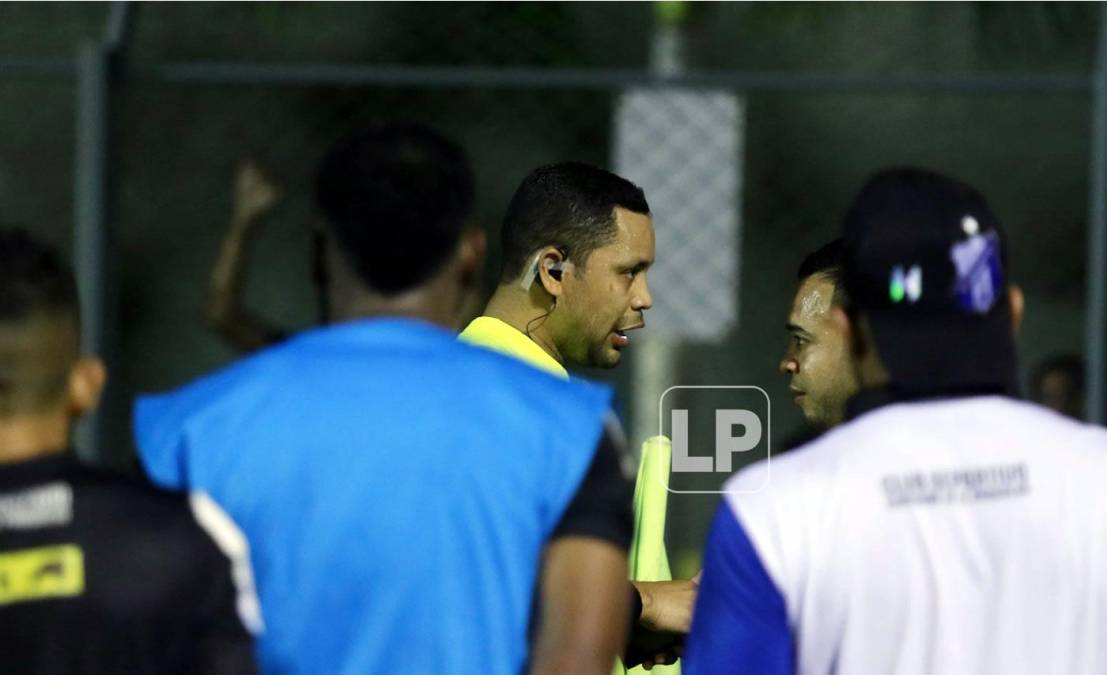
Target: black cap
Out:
[925,261]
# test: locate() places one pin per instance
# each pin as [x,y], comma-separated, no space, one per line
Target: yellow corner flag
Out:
[648,559]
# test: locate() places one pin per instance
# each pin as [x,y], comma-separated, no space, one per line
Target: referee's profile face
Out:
[607,296]
[818,356]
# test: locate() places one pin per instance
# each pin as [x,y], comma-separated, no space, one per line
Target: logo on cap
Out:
[979,272]
[905,285]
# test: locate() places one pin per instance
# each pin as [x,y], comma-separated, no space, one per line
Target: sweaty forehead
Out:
[813,301]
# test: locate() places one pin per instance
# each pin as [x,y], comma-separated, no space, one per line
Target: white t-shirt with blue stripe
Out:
[956,536]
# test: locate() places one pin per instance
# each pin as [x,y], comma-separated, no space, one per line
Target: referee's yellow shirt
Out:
[486,331]
[648,559]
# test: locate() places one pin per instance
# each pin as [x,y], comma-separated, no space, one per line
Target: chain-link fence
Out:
[995,94]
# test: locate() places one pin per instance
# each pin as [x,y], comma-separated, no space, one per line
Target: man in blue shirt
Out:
[413,504]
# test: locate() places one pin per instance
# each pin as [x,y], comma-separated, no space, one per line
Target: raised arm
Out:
[255,195]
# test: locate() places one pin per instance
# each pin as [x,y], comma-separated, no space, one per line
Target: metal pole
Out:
[655,361]
[384,75]
[353,75]
[91,241]
[36,69]
[118,26]
[1096,346]
[93,250]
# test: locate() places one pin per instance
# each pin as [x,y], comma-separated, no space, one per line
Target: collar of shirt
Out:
[37,469]
[868,400]
[492,333]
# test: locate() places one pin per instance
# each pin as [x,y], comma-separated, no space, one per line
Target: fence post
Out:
[93,246]
[1096,294]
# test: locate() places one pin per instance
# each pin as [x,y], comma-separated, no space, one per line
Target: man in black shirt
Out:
[98,573]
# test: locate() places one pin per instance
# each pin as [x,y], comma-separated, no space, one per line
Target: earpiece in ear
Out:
[532,275]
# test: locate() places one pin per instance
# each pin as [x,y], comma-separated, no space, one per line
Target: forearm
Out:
[225,311]
[225,285]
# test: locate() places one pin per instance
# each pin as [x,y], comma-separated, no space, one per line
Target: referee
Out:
[945,527]
[403,512]
[578,243]
[99,573]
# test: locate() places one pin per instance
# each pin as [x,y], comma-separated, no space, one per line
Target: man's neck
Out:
[429,303]
[523,312]
[27,437]
[436,300]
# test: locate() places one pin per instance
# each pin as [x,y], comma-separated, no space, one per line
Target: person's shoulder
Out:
[817,456]
[772,477]
[129,502]
[146,512]
[1023,424]
[229,377]
[245,379]
[147,523]
[498,369]
[798,481]
[159,418]
[125,486]
[1092,437]
[1067,434]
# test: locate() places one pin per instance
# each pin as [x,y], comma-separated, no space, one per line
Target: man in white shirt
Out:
[945,527]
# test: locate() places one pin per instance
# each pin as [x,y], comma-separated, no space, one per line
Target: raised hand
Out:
[255,192]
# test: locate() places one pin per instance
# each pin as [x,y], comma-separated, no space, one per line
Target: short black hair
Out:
[33,279]
[570,205]
[396,198]
[37,293]
[827,260]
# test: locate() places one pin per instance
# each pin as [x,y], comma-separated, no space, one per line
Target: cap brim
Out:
[924,353]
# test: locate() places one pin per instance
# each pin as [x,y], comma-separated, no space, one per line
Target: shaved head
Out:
[39,334]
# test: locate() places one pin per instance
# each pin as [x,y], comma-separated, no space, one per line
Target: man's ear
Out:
[1018,305]
[87,378]
[550,270]
[839,318]
[868,368]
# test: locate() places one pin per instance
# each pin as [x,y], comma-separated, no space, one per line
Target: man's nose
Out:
[642,300]
[789,365]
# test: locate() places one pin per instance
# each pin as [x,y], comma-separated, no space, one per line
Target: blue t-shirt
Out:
[396,487]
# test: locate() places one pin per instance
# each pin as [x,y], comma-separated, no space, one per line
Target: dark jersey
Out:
[601,508]
[103,574]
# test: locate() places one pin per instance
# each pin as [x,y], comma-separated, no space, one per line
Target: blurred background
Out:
[121,126]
